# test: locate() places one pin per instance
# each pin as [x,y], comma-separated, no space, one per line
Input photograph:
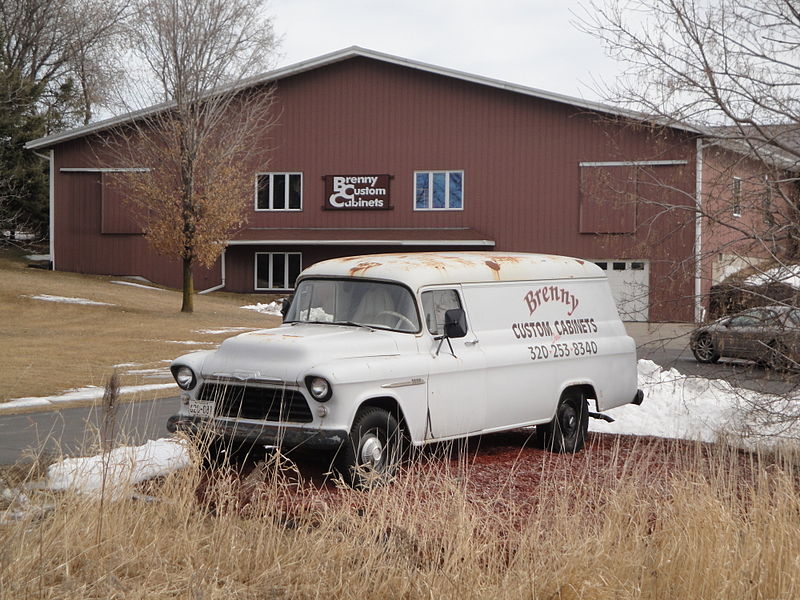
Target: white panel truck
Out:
[377,353]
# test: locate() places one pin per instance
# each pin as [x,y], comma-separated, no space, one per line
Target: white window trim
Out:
[271,175]
[736,205]
[430,173]
[269,274]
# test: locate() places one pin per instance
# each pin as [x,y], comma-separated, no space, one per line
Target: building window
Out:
[277,270]
[766,203]
[737,197]
[438,190]
[279,191]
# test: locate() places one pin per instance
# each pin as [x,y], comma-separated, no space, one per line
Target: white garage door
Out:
[630,285]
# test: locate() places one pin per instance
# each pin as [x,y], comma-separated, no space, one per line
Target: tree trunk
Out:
[188,287]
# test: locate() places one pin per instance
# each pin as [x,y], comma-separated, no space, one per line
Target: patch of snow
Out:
[119,469]
[138,285]
[68,300]
[787,274]
[224,330]
[158,371]
[37,256]
[273,308]
[182,342]
[91,392]
[25,403]
[120,365]
[694,408]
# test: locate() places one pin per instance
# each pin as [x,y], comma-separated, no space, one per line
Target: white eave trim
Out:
[635,163]
[373,242]
[104,170]
[352,52]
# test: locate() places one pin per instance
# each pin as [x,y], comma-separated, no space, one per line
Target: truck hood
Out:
[288,352]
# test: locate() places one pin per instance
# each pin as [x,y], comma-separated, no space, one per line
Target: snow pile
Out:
[138,285]
[37,257]
[91,392]
[224,330]
[68,300]
[273,308]
[695,408]
[786,274]
[123,467]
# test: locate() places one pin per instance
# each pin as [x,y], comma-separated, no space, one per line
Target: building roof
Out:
[428,236]
[434,268]
[342,55]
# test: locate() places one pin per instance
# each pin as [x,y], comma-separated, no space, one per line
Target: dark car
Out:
[769,335]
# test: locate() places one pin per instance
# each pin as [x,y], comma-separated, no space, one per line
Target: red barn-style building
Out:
[374,153]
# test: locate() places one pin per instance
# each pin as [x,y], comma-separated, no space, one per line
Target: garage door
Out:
[630,285]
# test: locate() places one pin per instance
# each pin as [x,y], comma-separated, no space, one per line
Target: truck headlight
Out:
[184,377]
[319,388]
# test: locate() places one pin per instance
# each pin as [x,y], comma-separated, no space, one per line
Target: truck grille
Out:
[255,402]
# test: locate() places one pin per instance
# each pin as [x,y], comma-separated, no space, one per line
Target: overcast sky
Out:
[528,42]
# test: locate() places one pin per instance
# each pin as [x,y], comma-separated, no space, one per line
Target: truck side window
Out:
[435,303]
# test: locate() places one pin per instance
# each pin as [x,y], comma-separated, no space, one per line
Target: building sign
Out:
[357,192]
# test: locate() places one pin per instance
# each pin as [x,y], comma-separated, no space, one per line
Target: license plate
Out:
[201,408]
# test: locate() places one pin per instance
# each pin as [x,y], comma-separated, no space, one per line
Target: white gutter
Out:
[221,285]
[633,163]
[372,242]
[698,234]
[52,185]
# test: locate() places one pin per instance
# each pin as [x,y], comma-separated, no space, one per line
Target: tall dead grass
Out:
[717,525]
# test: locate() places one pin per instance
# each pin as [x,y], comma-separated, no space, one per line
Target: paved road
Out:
[740,373]
[74,431]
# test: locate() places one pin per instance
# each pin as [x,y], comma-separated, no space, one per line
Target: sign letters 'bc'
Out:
[357,192]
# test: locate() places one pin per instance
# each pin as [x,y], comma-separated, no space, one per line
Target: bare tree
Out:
[198,146]
[48,46]
[730,68]
[51,58]
[95,47]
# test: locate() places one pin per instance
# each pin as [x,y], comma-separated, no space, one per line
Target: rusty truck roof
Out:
[417,269]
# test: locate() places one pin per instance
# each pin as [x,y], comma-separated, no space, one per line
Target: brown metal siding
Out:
[80,245]
[520,156]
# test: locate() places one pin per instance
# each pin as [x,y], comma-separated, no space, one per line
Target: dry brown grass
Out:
[48,347]
[714,529]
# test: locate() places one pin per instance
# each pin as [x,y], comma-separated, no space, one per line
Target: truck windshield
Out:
[354,302]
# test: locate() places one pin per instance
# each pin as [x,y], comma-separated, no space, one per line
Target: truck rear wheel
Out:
[566,433]
[374,449]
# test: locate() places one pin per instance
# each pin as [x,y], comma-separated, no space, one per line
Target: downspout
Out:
[49,157]
[698,234]
[221,285]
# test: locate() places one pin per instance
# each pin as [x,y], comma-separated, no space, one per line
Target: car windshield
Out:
[354,302]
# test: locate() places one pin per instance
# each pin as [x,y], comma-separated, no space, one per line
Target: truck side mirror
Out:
[455,323]
[285,304]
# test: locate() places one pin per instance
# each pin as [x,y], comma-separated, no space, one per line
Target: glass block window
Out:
[439,190]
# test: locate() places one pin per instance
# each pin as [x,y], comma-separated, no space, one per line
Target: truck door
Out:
[457,374]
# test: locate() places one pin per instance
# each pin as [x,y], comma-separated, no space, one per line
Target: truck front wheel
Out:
[566,433]
[373,451]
